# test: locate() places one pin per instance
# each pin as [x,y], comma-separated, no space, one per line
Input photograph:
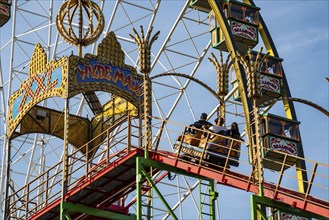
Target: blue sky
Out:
[300,32]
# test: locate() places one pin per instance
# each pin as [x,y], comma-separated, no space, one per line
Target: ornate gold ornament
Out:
[88,17]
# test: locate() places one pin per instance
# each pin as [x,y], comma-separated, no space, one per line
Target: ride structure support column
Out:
[222,70]
[65,155]
[144,45]
[252,66]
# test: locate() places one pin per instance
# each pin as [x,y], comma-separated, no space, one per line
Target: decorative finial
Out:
[222,70]
[88,17]
[252,66]
[144,45]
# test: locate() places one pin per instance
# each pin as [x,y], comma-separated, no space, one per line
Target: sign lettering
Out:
[269,83]
[244,30]
[4,9]
[107,73]
[284,146]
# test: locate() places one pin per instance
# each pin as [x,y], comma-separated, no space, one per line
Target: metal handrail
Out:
[28,207]
[30,190]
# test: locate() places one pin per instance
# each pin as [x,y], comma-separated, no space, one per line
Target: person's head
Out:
[221,122]
[235,127]
[203,116]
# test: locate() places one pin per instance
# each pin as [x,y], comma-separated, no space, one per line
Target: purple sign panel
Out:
[243,30]
[270,83]
[106,73]
[283,145]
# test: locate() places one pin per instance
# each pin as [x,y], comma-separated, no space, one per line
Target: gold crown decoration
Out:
[79,11]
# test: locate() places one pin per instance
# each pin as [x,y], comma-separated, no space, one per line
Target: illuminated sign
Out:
[286,216]
[35,86]
[4,9]
[95,72]
[284,146]
[243,30]
[270,83]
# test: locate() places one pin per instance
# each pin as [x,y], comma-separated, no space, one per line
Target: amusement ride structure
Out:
[96,111]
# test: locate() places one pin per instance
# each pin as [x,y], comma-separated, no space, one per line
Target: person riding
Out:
[218,127]
[201,123]
[234,131]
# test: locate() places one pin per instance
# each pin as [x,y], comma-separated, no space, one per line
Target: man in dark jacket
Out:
[201,123]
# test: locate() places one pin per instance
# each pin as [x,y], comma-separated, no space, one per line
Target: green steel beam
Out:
[283,207]
[161,166]
[63,215]
[140,172]
[139,178]
[257,210]
[213,198]
[66,207]
[67,216]
[253,209]
[149,179]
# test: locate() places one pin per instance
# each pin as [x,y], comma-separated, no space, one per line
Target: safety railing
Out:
[287,181]
[47,187]
[169,139]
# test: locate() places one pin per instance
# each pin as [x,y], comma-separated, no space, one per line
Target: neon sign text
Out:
[106,73]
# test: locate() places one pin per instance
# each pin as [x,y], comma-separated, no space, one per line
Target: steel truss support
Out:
[212,194]
[67,207]
[143,164]
[255,201]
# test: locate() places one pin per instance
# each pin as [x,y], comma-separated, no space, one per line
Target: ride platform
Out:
[108,182]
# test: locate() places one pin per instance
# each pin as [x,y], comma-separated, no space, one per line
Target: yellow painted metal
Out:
[286,104]
[48,121]
[144,44]
[113,111]
[45,80]
[271,53]
[109,52]
[84,34]
[118,105]
[223,24]
[59,78]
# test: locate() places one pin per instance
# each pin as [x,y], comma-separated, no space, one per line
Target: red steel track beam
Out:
[99,175]
[227,177]
[239,181]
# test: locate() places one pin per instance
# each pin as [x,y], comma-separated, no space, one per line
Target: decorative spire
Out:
[144,45]
[252,68]
[222,70]
[75,11]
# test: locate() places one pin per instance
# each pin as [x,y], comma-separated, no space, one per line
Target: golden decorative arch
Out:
[68,77]
[105,71]
[45,80]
